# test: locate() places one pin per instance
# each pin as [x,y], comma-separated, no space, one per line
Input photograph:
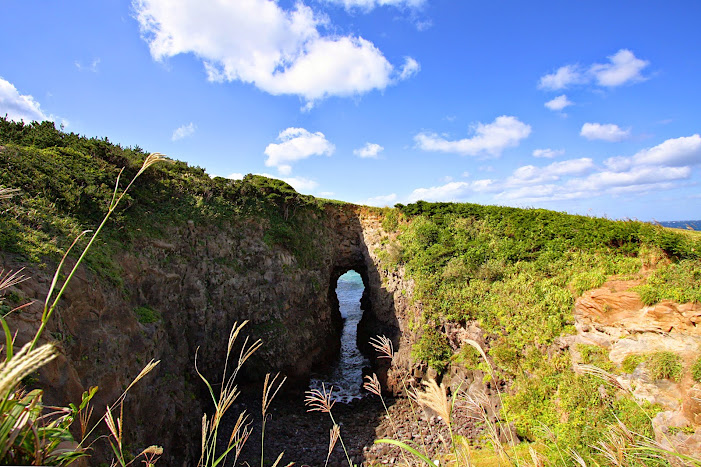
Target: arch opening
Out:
[345,373]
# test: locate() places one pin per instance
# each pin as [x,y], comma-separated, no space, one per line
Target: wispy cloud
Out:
[548,153]
[622,68]
[489,139]
[183,131]
[606,132]
[370,150]
[381,201]
[369,5]
[92,67]
[661,167]
[558,103]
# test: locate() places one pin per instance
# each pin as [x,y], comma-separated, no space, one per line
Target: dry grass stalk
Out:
[319,401]
[334,434]
[9,278]
[23,364]
[7,193]
[435,398]
[372,385]
[269,386]
[383,346]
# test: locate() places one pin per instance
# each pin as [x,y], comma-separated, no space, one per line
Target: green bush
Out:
[146,315]
[631,362]
[433,349]
[696,370]
[664,365]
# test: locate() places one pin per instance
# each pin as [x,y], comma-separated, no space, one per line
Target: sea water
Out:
[346,375]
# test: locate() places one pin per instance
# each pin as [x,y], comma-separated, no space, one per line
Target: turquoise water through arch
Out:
[346,375]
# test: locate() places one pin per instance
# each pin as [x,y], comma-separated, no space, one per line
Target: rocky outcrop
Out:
[196,282]
[613,317]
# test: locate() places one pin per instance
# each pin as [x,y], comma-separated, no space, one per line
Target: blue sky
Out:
[585,107]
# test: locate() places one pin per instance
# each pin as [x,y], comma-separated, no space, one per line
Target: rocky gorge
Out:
[539,292]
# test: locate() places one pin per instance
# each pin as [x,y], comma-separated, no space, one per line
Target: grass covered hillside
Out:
[65,183]
[517,273]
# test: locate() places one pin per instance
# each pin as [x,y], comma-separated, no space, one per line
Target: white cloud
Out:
[607,132]
[449,192]
[552,172]
[489,139]
[257,41]
[548,153]
[184,131]
[367,5]
[562,78]
[409,69]
[559,103]
[18,106]
[381,201]
[235,176]
[296,144]
[91,68]
[623,67]
[370,150]
[673,152]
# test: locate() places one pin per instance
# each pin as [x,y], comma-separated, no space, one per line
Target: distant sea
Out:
[693,225]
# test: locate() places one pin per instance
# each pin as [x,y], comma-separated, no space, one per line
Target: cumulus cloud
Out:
[381,201]
[184,131]
[19,106]
[661,167]
[235,176]
[623,68]
[452,191]
[257,41]
[552,172]
[548,153]
[489,139]
[368,5]
[296,144]
[675,152]
[607,132]
[559,103]
[370,150]
[564,77]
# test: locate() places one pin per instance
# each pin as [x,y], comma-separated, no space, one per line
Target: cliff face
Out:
[195,283]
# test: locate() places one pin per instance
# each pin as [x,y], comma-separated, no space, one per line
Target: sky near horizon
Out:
[584,107]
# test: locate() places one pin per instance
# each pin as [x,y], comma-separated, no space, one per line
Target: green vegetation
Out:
[147,315]
[664,365]
[518,272]
[696,370]
[680,282]
[631,362]
[66,182]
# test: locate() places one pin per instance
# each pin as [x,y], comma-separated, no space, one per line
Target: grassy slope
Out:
[518,272]
[66,182]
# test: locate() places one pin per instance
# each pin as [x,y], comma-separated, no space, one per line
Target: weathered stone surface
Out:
[614,317]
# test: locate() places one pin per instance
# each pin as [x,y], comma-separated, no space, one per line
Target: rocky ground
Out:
[304,436]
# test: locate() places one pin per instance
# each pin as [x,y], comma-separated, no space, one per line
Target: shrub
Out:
[433,349]
[631,362]
[664,365]
[696,370]
[146,315]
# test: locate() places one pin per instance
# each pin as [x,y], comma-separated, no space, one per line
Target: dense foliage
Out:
[66,182]
[517,272]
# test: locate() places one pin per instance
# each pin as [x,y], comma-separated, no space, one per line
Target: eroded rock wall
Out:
[198,280]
